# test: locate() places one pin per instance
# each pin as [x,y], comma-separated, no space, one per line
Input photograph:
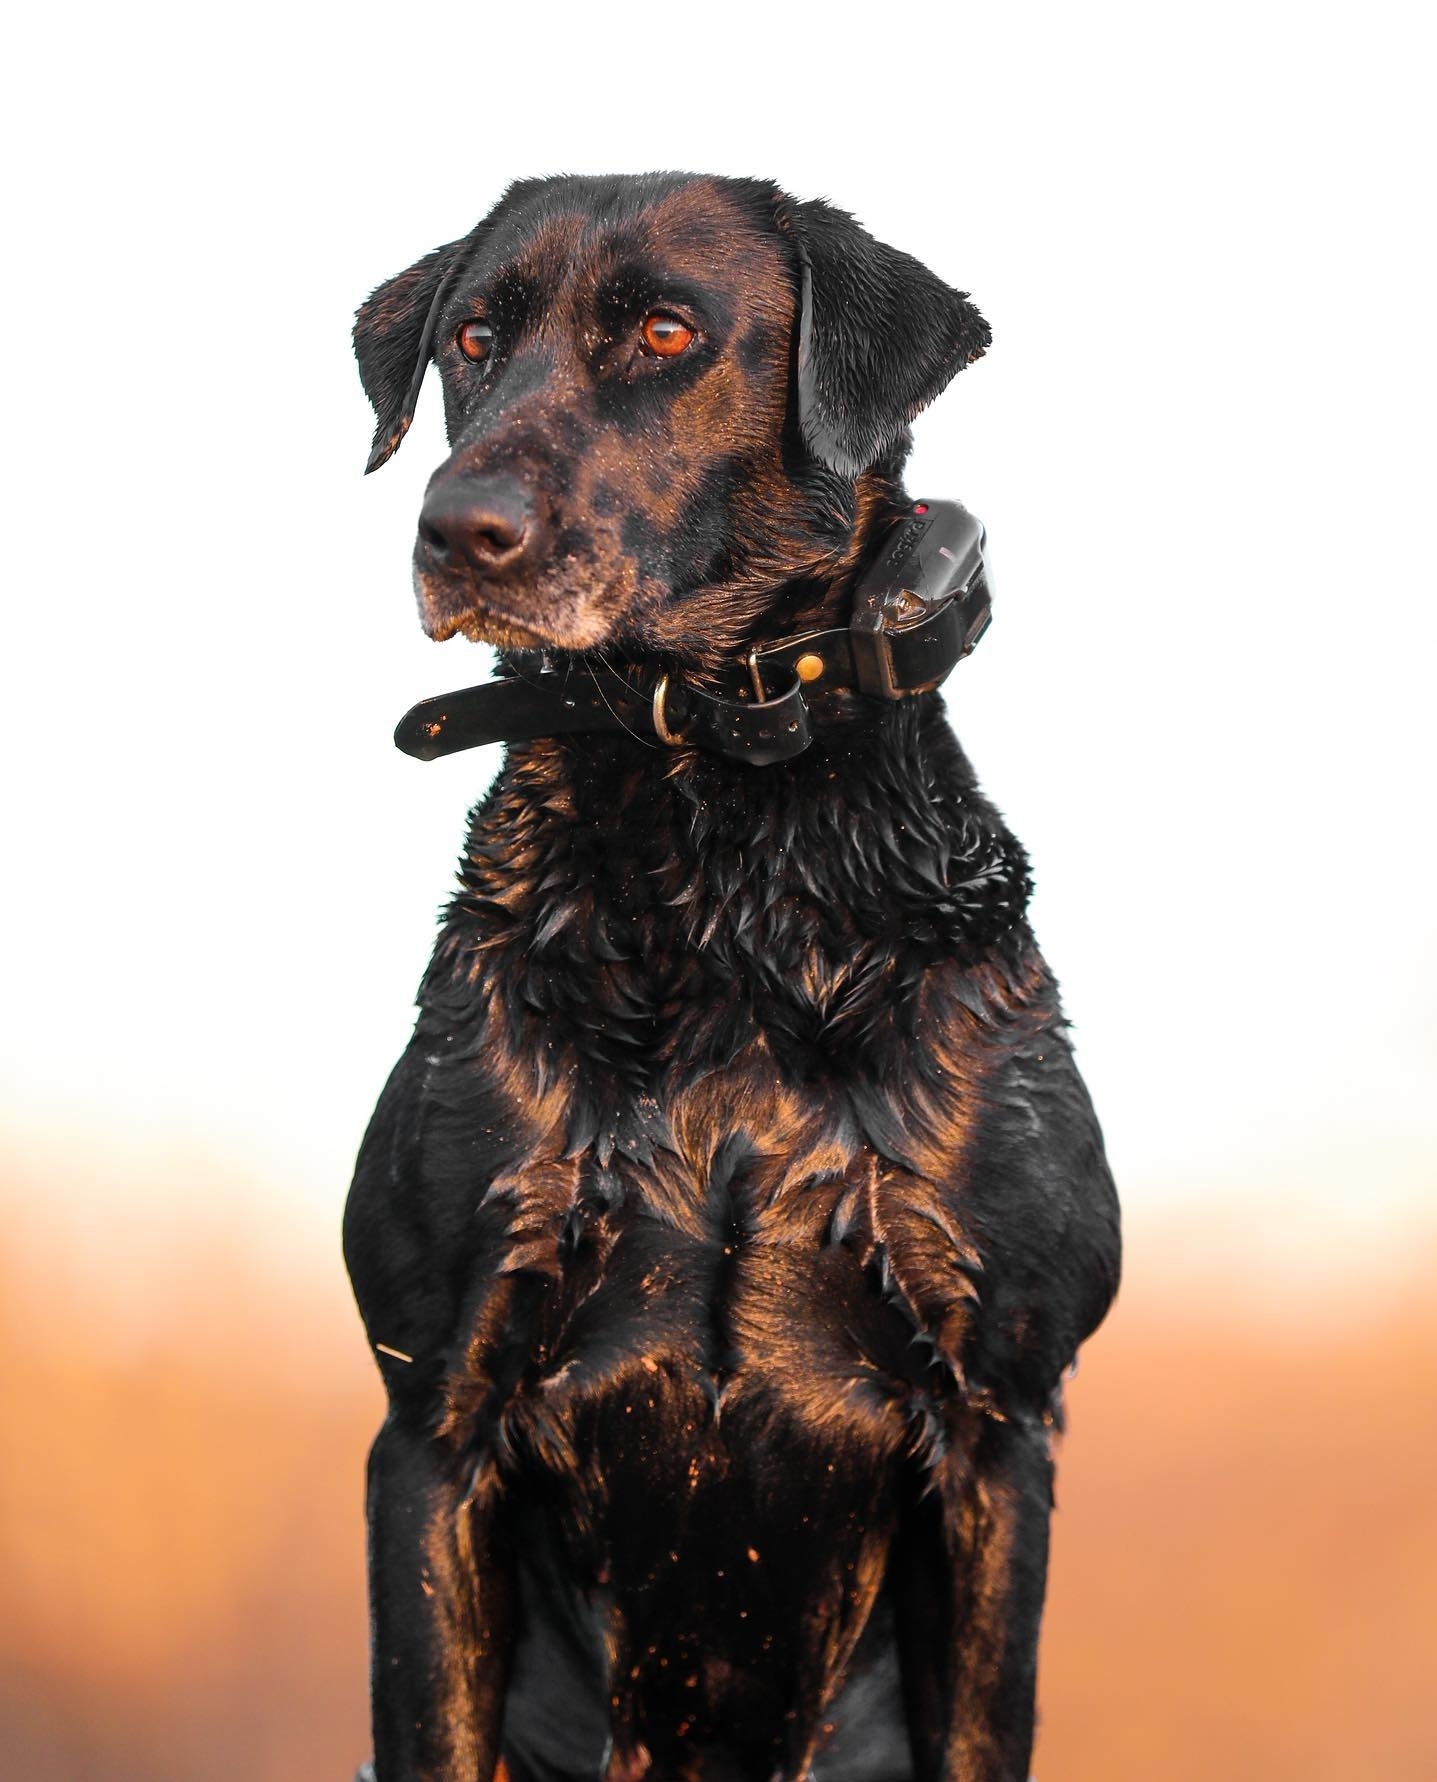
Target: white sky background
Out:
[1202,445]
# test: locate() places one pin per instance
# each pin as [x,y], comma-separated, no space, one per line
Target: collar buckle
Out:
[662,728]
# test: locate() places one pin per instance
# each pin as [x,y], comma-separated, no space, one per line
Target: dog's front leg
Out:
[969,1569]
[441,1604]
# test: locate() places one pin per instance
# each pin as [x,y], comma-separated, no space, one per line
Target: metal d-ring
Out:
[661,723]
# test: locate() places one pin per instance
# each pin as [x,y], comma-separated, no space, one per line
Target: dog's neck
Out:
[877,843]
[822,596]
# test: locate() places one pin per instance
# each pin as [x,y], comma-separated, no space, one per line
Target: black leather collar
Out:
[908,632]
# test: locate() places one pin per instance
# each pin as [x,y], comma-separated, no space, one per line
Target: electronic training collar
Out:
[917,612]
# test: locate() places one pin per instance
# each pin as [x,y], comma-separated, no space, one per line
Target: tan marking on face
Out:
[730,413]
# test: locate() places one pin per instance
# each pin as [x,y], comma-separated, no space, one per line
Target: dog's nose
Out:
[485,522]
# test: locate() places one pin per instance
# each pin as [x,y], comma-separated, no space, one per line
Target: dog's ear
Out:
[879,336]
[393,338]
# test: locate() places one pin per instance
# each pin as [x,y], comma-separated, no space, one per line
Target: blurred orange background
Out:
[1245,1560]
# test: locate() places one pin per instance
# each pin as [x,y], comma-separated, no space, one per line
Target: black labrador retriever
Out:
[726,1229]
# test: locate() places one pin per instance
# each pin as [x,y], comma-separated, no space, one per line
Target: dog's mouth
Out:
[451,606]
[485,626]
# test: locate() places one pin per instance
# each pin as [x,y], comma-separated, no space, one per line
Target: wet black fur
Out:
[735,1210]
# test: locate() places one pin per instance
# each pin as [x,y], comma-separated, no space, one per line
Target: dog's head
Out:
[666,396]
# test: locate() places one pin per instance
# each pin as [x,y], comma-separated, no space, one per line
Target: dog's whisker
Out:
[518,673]
[599,688]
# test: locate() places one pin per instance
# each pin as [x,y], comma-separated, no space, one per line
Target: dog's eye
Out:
[475,340]
[664,334]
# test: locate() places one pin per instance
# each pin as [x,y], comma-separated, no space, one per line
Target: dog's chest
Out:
[721,1279]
